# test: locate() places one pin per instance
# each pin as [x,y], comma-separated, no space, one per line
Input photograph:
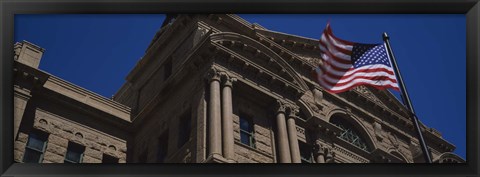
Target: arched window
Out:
[350,134]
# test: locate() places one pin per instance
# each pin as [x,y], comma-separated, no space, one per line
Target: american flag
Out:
[347,64]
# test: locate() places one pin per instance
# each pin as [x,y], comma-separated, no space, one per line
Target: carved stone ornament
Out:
[365,92]
[213,75]
[293,111]
[281,106]
[317,97]
[227,79]
[393,140]
[377,128]
[319,148]
[329,155]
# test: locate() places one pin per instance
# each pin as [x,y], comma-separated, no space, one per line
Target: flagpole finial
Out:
[385,36]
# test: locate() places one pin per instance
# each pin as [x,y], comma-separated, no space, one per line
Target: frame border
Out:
[9,8]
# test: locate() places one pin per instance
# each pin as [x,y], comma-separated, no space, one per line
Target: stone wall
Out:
[61,130]
[263,151]
[177,99]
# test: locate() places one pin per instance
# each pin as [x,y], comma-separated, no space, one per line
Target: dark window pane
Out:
[35,147]
[245,124]
[32,156]
[35,143]
[305,152]
[73,156]
[245,138]
[246,131]
[109,159]
[74,153]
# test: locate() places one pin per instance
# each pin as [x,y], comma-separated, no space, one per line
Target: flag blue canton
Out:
[369,54]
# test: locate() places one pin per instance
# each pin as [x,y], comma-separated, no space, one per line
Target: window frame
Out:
[74,146]
[304,146]
[251,134]
[40,136]
[349,129]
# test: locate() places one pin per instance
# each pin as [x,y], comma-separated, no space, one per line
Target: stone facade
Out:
[216,89]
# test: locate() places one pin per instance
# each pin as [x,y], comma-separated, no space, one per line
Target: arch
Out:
[305,109]
[356,125]
[449,157]
[230,36]
[399,155]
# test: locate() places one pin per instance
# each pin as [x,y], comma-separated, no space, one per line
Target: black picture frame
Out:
[9,8]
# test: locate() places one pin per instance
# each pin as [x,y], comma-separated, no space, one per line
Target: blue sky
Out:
[98,51]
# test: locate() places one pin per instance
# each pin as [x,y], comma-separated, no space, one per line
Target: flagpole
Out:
[406,101]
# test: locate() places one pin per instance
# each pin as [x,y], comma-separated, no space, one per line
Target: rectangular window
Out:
[305,152]
[36,145]
[74,153]
[185,128]
[162,147]
[246,131]
[109,159]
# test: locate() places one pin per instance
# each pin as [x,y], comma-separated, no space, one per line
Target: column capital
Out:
[281,106]
[293,111]
[227,79]
[319,148]
[213,75]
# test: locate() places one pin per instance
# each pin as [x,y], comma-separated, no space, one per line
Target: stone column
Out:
[319,153]
[282,137]
[214,119]
[292,136]
[227,120]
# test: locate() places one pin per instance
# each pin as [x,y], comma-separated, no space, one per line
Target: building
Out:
[213,89]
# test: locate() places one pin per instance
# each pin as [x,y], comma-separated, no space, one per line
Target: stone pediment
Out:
[263,60]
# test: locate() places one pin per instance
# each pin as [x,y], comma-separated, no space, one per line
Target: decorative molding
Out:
[293,111]
[213,74]
[393,140]
[348,154]
[377,128]
[301,133]
[281,106]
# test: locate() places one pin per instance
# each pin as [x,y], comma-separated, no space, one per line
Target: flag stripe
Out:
[347,65]
[373,76]
[332,44]
[357,82]
[366,69]
[340,57]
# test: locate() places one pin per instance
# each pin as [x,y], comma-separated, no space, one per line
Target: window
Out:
[246,131]
[74,153]
[36,145]
[305,152]
[184,128]
[162,147]
[109,159]
[349,134]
